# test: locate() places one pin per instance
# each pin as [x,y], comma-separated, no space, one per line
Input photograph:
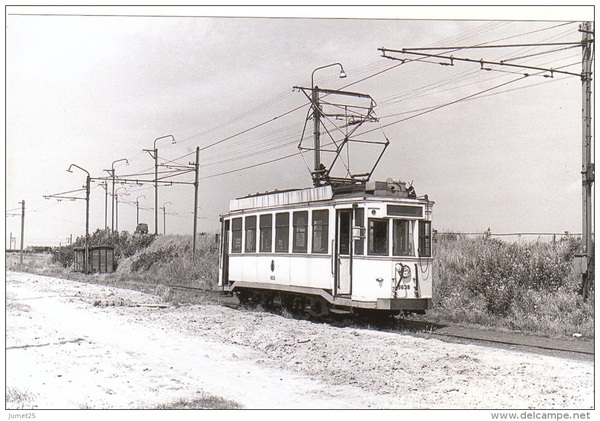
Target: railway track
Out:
[423,327]
[510,339]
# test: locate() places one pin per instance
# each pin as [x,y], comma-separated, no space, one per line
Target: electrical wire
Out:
[483,28]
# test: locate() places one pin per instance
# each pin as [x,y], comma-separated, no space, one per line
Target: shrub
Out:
[169,260]
[485,278]
[124,245]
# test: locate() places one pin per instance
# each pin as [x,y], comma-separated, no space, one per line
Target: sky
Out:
[95,86]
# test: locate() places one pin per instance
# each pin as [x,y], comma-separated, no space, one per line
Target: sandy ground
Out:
[75,345]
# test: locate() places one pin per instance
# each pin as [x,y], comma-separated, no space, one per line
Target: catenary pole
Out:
[587,170]
[154,154]
[22,228]
[196,167]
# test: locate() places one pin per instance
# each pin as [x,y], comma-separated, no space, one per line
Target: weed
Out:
[529,286]
[205,401]
[19,399]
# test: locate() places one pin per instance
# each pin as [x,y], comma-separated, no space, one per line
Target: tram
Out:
[345,245]
[328,249]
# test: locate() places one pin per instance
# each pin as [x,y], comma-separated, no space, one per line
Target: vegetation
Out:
[205,401]
[530,286]
[19,399]
[124,244]
[169,260]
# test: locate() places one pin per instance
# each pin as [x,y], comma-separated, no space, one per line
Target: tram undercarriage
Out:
[320,303]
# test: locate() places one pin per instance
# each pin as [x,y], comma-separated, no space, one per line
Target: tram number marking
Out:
[272,277]
[404,287]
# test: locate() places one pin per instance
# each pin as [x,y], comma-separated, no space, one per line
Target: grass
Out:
[18,399]
[32,262]
[169,260]
[205,401]
[530,287]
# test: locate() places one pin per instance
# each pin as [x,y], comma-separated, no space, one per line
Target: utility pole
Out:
[164,208]
[196,168]
[154,154]
[105,187]
[117,207]
[584,262]
[86,259]
[22,227]
[587,170]
[87,216]
[137,207]
[111,172]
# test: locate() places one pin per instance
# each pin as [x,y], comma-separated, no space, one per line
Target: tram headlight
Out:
[406,272]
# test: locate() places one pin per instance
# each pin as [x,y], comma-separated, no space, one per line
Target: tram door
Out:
[225,252]
[344,249]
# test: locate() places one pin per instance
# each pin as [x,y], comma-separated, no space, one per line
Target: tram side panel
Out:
[295,270]
[371,279]
[425,279]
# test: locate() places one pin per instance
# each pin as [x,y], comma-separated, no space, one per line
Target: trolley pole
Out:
[22,228]
[197,168]
[587,170]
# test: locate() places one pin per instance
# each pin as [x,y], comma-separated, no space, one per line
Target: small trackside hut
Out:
[331,248]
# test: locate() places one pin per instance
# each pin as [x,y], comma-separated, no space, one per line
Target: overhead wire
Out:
[271,147]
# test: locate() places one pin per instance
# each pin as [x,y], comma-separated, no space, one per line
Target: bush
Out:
[484,279]
[169,260]
[124,245]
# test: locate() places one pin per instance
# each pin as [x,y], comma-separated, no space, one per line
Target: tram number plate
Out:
[403,286]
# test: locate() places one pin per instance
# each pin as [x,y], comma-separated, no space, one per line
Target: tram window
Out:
[250,234]
[266,230]
[282,232]
[345,231]
[236,235]
[378,236]
[320,235]
[402,242]
[359,221]
[300,244]
[425,238]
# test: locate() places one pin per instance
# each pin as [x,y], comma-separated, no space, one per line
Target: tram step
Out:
[339,311]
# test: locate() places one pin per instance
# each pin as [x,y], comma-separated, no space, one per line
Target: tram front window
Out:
[403,242]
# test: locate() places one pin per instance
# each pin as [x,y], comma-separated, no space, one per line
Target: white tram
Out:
[349,248]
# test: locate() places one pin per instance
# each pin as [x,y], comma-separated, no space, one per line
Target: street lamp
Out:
[154,154]
[87,216]
[112,173]
[117,202]
[165,218]
[137,205]
[317,120]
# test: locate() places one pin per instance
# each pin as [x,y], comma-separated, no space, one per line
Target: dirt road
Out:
[74,345]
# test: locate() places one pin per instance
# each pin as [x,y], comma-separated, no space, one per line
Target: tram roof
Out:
[379,189]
